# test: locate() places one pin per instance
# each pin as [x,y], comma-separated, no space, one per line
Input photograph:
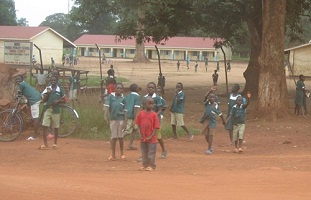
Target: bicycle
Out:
[12,121]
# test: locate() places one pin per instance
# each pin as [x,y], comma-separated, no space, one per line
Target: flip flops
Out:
[43,147]
[146,169]
[111,158]
[123,157]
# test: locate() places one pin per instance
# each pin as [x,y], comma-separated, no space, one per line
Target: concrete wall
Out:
[300,61]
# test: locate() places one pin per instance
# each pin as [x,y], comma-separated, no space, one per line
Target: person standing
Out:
[177,111]
[40,80]
[238,112]
[206,63]
[132,105]
[115,106]
[178,65]
[34,100]
[209,121]
[300,92]
[196,66]
[53,95]
[74,84]
[215,77]
[148,123]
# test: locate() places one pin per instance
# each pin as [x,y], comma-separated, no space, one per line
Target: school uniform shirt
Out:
[178,107]
[132,101]
[210,113]
[238,114]
[32,95]
[56,94]
[116,106]
[157,103]
[215,77]
[147,122]
[164,106]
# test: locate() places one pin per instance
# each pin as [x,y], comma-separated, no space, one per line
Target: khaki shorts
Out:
[35,110]
[130,126]
[73,94]
[50,119]
[116,129]
[177,119]
[238,132]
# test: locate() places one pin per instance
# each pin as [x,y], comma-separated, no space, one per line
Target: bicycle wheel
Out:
[68,121]
[11,125]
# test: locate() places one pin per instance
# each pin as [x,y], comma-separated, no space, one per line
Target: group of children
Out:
[125,118]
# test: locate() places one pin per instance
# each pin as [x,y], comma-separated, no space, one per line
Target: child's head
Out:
[179,87]
[301,77]
[149,102]
[53,80]
[239,100]
[159,91]
[19,78]
[235,88]
[119,89]
[134,87]
[215,71]
[151,86]
[211,97]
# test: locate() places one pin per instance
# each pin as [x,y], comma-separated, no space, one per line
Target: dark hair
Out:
[153,84]
[215,70]
[180,83]
[301,76]
[119,84]
[56,77]
[236,87]
[133,87]
[21,76]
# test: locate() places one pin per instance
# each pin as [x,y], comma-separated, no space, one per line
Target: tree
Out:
[22,22]
[7,13]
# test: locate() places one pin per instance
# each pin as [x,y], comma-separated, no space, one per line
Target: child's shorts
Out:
[116,129]
[238,132]
[177,119]
[35,110]
[50,119]
[73,94]
[130,127]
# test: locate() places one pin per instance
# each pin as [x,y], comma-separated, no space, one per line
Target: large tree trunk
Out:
[140,56]
[253,9]
[272,94]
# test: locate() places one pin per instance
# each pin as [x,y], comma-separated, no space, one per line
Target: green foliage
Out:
[7,13]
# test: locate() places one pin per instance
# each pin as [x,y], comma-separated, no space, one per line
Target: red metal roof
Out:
[175,42]
[20,32]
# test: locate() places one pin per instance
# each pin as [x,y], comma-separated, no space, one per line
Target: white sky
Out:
[35,11]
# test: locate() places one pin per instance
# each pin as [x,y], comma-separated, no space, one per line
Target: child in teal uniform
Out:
[209,121]
[53,95]
[300,92]
[132,105]
[115,106]
[237,113]
[74,83]
[177,111]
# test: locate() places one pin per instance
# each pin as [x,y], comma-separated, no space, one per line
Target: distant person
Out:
[111,72]
[300,92]
[237,114]
[215,77]
[196,66]
[34,60]
[115,107]
[177,111]
[74,85]
[228,66]
[34,100]
[206,63]
[52,62]
[209,121]
[40,80]
[187,62]
[53,95]
[148,123]
[178,65]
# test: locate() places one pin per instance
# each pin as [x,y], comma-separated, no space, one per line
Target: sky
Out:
[35,11]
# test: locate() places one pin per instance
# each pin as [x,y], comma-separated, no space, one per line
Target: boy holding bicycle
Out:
[53,95]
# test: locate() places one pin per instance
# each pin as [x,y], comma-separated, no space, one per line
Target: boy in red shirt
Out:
[148,123]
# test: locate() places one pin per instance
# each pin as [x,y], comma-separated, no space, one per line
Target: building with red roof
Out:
[176,48]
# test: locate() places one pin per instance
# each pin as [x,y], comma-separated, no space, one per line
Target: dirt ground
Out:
[275,164]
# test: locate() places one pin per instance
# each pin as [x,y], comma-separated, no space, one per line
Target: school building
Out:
[18,44]
[299,60]
[176,48]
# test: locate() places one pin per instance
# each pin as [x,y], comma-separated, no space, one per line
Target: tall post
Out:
[221,47]
[161,77]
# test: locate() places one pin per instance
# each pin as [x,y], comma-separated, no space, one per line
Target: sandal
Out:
[142,169]
[111,158]
[148,169]
[55,146]
[123,157]
[43,147]
[131,148]
[240,150]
